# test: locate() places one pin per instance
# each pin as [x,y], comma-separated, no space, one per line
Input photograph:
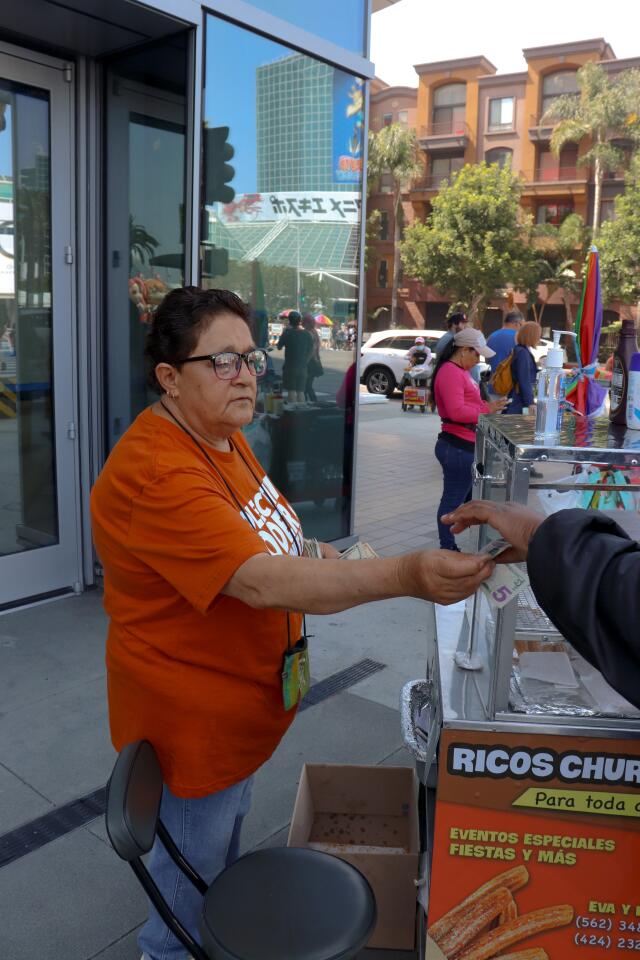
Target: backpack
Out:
[502,381]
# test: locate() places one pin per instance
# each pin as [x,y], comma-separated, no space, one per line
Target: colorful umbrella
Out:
[584,395]
[323,320]
[285,313]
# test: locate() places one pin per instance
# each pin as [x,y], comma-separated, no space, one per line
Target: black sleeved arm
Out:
[585,572]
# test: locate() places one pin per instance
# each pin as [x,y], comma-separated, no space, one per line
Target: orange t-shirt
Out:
[195,672]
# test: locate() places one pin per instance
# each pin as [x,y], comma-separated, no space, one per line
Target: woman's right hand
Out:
[443,576]
[497,406]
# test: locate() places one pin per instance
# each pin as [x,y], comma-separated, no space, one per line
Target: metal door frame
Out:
[58,568]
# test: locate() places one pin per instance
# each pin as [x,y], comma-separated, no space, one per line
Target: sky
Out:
[422,31]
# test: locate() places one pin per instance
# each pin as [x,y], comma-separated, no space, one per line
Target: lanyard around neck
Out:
[237,502]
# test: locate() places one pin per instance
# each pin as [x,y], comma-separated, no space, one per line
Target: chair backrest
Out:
[134,793]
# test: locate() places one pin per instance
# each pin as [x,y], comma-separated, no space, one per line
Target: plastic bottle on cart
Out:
[551,391]
[627,346]
[633,393]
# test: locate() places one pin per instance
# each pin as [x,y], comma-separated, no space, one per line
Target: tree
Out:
[372,233]
[619,244]
[476,239]
[606,107]
[560,250]
[394,150]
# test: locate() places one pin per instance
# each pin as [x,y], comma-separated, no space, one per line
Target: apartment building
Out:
[467,112]
[387,105]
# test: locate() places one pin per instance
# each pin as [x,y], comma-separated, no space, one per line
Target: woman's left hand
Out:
[329,552]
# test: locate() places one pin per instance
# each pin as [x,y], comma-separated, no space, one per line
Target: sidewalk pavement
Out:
[71,898]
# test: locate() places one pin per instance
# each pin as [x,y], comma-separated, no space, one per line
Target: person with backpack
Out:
[457,399]
[503,341]
[515,376]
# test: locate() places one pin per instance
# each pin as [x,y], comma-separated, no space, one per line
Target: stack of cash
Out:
[359,551]
[312,549]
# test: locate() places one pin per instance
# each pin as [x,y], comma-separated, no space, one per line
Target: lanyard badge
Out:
[295,674]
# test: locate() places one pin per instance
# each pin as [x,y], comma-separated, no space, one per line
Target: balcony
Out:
[432,183]
[540,132]
[559,174]
[447,135]
[551,181]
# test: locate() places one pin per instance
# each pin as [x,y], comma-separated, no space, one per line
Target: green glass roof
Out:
[308,246]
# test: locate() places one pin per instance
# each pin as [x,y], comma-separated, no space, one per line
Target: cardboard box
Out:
[367,816]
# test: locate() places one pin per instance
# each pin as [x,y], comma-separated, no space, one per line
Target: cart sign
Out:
[536,848]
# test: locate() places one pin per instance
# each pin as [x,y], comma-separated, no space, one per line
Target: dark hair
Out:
[444,357]
[308,321]
[456,318]
[514,316]
[178,322]
[294,318]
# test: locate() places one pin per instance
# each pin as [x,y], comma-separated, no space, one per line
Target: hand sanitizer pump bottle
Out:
[551,390]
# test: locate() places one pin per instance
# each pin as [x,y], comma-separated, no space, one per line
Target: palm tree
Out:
[605,108]
[395,151]
[556,265]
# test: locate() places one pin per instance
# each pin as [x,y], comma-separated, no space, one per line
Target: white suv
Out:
[383,358]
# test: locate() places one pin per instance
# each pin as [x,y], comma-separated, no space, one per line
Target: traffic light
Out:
[217,172]
[215,262]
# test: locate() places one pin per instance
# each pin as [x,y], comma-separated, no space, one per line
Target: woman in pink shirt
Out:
[459,404]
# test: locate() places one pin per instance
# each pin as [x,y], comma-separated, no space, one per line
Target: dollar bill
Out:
[359,551]
[504,584]
[494,548]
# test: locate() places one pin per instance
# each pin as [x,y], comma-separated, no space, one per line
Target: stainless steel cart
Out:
[522,762]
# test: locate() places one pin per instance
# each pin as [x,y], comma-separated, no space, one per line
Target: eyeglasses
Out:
[228,365]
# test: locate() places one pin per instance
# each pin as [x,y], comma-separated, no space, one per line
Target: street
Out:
[335,363]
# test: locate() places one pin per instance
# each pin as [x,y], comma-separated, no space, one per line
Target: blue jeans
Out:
[207,832]
[456,467]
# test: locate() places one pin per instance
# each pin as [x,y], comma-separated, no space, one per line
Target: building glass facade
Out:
[290,240]
[122,216]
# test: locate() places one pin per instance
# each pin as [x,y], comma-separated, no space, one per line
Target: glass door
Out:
[144,213]
[38,477]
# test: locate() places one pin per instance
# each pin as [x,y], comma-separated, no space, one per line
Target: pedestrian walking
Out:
[457,399]
[314,365]
[298,348]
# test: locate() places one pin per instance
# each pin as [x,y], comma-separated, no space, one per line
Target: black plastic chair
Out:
[277,904]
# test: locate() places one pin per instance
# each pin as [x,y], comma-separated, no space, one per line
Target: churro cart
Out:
[534,852]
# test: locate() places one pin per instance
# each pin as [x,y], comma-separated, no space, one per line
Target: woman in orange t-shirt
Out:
[205,586]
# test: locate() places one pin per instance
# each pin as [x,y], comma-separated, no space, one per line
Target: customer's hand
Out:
[328,552]
[515,523]
[497,406]
[443,576]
